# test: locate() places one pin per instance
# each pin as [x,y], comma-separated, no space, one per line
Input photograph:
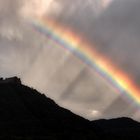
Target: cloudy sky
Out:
[112,24]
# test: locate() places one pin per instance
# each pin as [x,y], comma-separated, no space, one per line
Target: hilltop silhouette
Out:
[27,114]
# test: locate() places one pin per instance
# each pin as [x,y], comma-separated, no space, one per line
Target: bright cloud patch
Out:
[38,8]
[105,3]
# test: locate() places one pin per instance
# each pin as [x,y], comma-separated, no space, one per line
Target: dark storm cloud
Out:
[118,34]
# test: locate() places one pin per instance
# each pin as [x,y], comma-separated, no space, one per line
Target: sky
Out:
[111,24]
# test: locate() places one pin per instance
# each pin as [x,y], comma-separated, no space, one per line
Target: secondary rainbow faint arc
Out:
[72,42]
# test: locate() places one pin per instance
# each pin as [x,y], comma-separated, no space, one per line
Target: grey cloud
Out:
[80,14]
[118,35]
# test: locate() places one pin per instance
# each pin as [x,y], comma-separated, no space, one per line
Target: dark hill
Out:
[27,114]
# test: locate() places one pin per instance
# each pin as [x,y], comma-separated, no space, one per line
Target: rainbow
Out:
[80,47]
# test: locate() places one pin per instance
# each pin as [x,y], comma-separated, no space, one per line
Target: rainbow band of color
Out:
[81,49]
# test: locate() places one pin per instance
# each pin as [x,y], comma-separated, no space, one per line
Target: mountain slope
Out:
[27,114]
